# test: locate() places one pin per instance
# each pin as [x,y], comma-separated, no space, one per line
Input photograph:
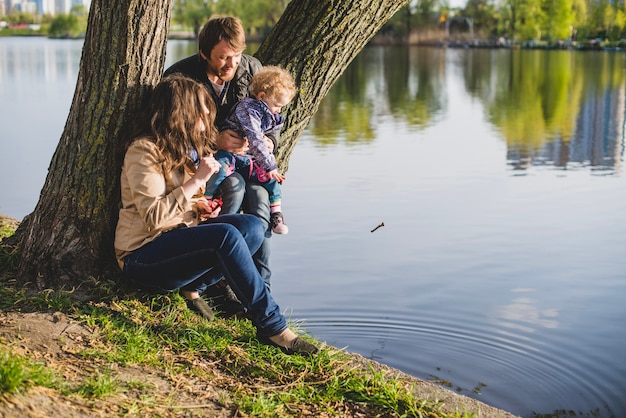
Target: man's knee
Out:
[232,191]
[257,202]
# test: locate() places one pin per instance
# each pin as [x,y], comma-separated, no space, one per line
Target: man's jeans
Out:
[190,258]
[253,199]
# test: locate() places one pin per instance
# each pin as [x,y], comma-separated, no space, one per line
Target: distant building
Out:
[46,7]
[62,6]
[42,7]
[597,140]
[24,6]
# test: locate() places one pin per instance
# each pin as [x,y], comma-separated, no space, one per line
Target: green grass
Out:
[8,255]
[159,334]
[6,229]
[98,386]
[18,373]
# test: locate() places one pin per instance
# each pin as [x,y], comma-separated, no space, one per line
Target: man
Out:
[226,71]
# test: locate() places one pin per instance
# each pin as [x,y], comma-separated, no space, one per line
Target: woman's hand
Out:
[207,167]
[209,208]
[228,140]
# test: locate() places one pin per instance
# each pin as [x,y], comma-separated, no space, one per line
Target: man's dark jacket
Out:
[195,67]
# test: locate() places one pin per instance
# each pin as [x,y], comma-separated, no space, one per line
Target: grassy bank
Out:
[104,350]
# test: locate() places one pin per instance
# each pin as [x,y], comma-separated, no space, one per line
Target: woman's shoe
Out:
[298,346]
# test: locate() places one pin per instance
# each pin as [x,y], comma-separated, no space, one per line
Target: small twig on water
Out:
[378,226]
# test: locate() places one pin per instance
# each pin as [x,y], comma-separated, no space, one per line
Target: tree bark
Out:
[316,40]
[69,236]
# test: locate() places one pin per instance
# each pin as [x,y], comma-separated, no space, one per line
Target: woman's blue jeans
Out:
[191,258]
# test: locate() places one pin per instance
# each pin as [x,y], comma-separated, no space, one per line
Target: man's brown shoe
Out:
[199,305]
[298,346]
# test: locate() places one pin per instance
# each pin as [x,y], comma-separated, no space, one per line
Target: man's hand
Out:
[228,140]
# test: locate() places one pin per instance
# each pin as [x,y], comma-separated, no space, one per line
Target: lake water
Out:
[500,271]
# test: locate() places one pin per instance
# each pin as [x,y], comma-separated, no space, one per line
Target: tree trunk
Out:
[316,40]
[69,236]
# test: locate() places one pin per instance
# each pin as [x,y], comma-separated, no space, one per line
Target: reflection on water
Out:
[561,109]
[477,280]
[524,314]
[499,272]
[42,60]
[411,89]
[37,81]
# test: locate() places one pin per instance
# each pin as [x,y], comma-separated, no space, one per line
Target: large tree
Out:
[69,236]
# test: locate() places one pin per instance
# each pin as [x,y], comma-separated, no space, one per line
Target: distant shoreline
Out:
[427,41]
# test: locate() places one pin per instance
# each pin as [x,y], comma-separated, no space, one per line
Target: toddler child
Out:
[252,118]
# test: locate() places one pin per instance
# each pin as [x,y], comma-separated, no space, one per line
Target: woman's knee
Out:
[249,226]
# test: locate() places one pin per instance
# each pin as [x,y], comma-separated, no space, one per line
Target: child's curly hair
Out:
[273,80]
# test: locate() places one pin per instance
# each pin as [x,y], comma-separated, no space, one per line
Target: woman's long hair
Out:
[177,109]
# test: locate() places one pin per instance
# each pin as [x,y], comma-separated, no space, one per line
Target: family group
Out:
[200,186]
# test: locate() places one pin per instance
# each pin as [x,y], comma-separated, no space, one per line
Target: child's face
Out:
[275,102]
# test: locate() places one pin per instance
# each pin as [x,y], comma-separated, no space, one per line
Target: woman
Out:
[168,236]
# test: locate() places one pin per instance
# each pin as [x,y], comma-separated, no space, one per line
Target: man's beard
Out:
[224,77]
[219,74]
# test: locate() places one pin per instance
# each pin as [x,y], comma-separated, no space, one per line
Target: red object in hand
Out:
[216,203]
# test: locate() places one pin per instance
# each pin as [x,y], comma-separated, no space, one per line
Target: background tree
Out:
[614,21]
[68,26]
[63,26]
[258,16]
[315,41]
[529,19]
[425,11]
[579,12]
[192,13]
[401,24]
[418,15]
[483,13]
[558,19]
[69,236]
[20,17]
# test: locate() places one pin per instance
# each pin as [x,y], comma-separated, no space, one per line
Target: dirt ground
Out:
[55,339]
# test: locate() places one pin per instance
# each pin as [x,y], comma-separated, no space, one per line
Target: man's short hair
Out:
[219,28]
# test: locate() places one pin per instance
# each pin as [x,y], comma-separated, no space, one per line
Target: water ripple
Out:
[499,353]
